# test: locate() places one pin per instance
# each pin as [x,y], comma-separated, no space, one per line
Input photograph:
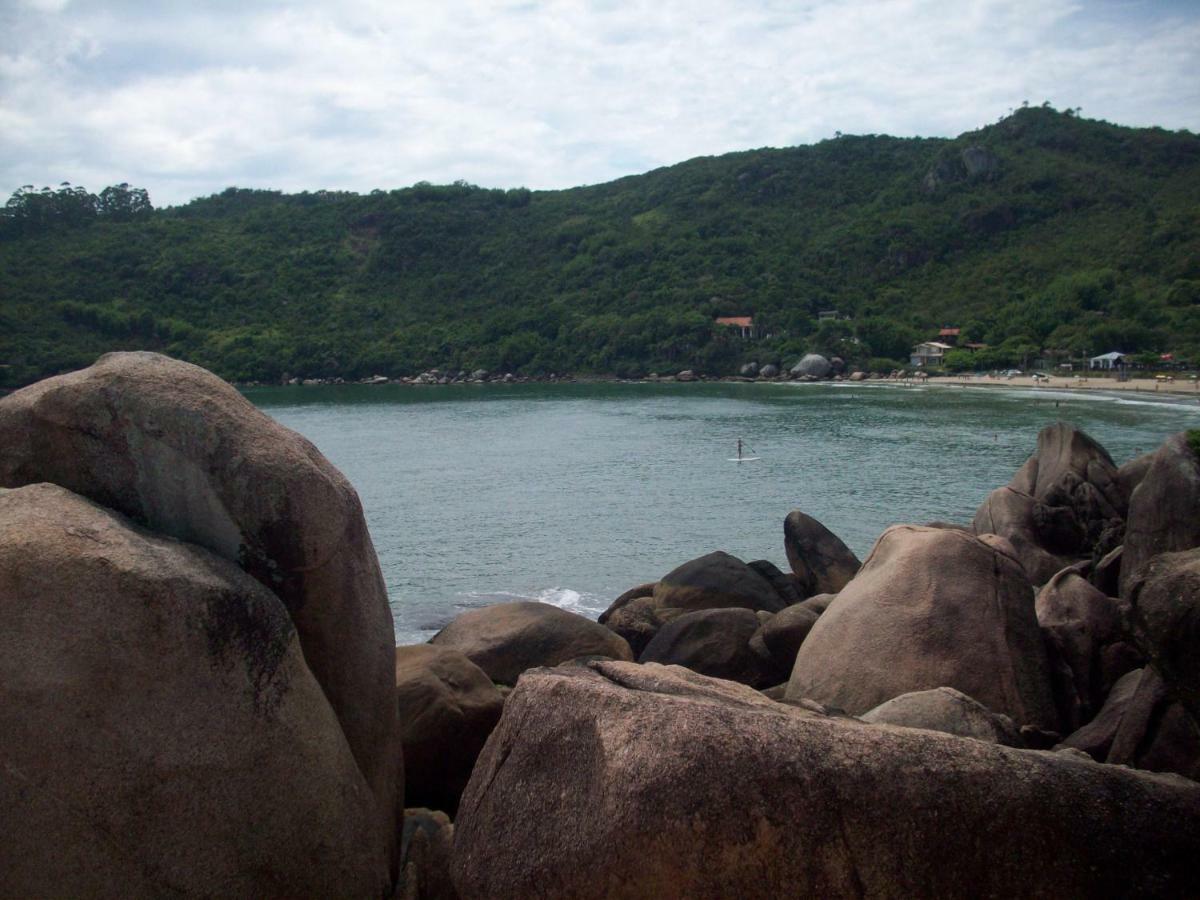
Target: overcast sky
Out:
[188,98]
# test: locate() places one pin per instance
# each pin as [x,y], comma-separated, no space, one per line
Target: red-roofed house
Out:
[949,336]
[744,324]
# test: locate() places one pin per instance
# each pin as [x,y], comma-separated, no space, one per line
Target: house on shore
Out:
[744,325]
[1112,360]
[930,353]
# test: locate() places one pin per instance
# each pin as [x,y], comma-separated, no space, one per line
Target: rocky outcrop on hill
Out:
[653,781]
[506,639]
[160,730]
[447,708]
[174,447]
[911,620]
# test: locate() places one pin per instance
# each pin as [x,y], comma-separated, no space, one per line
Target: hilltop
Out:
[1042,232]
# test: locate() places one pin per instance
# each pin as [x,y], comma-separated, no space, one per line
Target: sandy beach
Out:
[1180,387]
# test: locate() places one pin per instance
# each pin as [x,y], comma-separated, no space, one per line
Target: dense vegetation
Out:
[1043,232]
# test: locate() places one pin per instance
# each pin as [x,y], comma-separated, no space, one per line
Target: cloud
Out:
[360,95]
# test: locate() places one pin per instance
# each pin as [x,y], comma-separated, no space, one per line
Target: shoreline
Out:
[1182,388]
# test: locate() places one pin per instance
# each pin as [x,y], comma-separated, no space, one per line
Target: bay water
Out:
[572,493]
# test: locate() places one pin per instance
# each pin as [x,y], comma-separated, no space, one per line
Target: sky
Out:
[188,98]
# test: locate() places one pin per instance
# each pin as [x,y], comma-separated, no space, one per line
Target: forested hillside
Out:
[1043,232]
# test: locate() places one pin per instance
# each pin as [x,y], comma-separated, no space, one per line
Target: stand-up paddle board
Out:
[743,458]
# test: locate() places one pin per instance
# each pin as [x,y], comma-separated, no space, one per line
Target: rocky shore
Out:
[201,696]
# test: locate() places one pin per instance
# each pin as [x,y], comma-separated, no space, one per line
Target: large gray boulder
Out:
[947,710]
[912,620]
[1162,508]
[786,631]
[174,447]
[506,639]
[160,730]
[813,365]
[447,707]
[820,561]
[620,780]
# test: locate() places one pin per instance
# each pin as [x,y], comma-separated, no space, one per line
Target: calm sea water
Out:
[574,493]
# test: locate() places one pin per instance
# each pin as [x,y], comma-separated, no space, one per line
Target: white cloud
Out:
[544,94]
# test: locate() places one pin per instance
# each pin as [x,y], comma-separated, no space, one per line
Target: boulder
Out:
[637,621]
[174,447]
[686,375]
[913,620]
[649,781]
[1140,725]
[949,711]
[1106,574]
[821,562]
[1162,509]
[858,376]
[447,707]
[1165,600]
[1010,514]
[506,639]
[770,370]
[786,631]
[714,642]
[749,370]
[818,603]
[160,730]
[814,365]
[426,847]
[1130,475]
[1082,622]
[1080,505]
[785,585]
[716,581]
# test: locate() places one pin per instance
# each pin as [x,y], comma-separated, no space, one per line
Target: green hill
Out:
[1042,232]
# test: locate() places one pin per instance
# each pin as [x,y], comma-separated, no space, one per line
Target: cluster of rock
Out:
[199,692]
[752,730]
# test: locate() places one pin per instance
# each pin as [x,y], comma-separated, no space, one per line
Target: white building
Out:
[930,353]
[1112,360]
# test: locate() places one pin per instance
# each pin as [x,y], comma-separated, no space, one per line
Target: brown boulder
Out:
[1010,514]
[716,581]
[786,631]
[714,642]
[160,730]
[821,562]
[173,446]
[1165,596]
[1140,725]
[785,585]
[638,620]
[1130,475]
[447,707]
[949,711]
[1083,623]
[506,639]
[426,847]
[930,608]
[650,781]
[1162,510]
